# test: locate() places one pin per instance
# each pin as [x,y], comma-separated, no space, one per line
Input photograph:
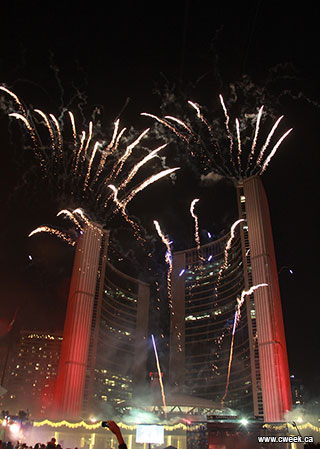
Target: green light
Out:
[244,421]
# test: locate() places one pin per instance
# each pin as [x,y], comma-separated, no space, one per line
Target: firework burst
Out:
[241,159]
[96,175]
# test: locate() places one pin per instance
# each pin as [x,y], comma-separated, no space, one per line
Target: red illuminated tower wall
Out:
[275,382]
[91,247]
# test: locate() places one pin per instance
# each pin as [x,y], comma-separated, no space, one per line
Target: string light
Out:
[97,425]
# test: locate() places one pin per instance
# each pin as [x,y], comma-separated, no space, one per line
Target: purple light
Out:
[209,235]
[30,257]
[181,272]
[210,258]
[291,272]
[81,232]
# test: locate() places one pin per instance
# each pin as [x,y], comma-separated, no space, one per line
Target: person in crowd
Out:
[116,430]
[51,444]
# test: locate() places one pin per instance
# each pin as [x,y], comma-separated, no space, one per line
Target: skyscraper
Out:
[32,372]
[204,301]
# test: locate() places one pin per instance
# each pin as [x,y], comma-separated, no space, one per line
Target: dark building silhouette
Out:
[32,372]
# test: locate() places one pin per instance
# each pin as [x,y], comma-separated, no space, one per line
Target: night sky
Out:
[122,55]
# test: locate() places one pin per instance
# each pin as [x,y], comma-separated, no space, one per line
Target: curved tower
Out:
[203,312]
[201,325]
[104,350]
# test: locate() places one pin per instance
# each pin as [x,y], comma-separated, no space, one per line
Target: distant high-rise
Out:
[32,372]
[203,312]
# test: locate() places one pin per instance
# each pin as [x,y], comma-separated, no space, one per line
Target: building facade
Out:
[201,325]
[32,373]
[103,356]
[204,302]
[120,354]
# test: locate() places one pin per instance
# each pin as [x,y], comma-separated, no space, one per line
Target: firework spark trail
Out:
[32,135]
[119,164]
[159,374]
[74,132]
[133,224]
[196,228]
[55,232]
[180,122]
[266,163]
[96,145]
[83,216]
[196,107]
[275,126]
[140,164]
[115,196]
[71,216]
[16,99]
[118,138]
[168,259]
[113,150]
[146,183]
[86,220]
[83,137]
[28,125]
[240,300]
[255,138]
[227,128]
[55,121]
[239,144]
[201,117]
[229,370]
[236,319]
[88,142]
[48,125]
[226,253]
[109,147]
[163,122]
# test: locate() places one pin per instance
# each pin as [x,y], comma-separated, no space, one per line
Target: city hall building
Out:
[104,350]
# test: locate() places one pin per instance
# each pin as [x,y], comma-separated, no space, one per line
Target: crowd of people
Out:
[52,444]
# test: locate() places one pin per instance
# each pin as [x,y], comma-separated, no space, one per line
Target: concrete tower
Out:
[269,352]
[199,336]
[86,283]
